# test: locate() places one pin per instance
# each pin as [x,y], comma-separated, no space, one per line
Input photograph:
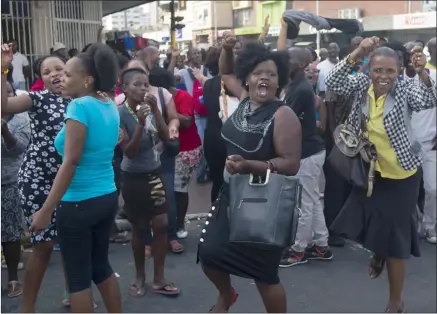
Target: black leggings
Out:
[84,228]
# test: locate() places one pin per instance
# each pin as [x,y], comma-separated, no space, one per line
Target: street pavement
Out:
[340,285]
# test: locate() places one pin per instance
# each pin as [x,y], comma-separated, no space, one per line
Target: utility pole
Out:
[174,20]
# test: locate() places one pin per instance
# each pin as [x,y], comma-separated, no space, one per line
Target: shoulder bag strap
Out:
[163,104]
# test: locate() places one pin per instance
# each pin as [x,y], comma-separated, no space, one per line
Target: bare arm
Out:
[185,121]
[16,140]
[172,115]
[160,124]
[322,110]
[16,104]
[281,43]
[75,135]
[131,146]
[287,140]
[226,68]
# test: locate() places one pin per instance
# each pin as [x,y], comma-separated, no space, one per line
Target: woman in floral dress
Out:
[41,162]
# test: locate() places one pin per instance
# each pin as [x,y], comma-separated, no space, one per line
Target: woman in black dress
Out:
[384,223]
[261,130]
[214,145]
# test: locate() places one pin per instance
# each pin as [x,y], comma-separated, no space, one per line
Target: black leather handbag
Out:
[171,147]
[264,214]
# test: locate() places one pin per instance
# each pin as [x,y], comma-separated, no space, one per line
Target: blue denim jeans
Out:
[168,173]
[203,166]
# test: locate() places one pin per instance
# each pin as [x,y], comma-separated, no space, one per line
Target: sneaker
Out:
[56,247]
[292,258]
[319,253]
[431,236]
[182,234]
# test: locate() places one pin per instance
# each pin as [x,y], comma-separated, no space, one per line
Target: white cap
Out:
[58,46]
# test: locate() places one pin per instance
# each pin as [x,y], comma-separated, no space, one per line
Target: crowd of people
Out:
[98,125]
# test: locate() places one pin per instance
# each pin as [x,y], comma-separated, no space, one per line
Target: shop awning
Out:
[111,6]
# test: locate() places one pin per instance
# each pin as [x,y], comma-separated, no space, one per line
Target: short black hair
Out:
[420,41]
[398,46]
[313,53]
[101,63]
[160,77]
[38,62]
[212,60]
[385,51]
[72,52]
[252,54]
[128,74]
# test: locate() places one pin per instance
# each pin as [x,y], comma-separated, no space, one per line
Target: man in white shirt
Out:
[326,66]
[21,68]
[424,130]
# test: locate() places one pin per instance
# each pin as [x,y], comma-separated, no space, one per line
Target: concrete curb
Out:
[124,225]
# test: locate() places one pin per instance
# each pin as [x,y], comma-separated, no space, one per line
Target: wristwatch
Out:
[349,60]
[5,72]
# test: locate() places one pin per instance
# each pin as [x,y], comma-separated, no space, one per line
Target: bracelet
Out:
[350,61]
[5,72]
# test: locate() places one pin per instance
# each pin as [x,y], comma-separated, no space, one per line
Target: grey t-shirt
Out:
[148,159]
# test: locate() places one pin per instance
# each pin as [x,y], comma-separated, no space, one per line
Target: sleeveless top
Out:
[250,133]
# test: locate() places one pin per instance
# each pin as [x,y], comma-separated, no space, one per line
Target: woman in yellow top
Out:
[384,222]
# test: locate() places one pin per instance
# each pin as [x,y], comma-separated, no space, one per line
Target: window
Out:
[242,17]
[182,5]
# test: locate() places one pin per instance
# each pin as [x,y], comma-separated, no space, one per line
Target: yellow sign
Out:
[247,31]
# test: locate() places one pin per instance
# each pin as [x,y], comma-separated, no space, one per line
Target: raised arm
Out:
[422,96]
[339,79]
[281,43]
[226,67]
[17,104]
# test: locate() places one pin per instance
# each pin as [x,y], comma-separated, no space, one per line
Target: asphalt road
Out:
[340,285]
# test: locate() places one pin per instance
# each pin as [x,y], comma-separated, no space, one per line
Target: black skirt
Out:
[215,250]
[386,222]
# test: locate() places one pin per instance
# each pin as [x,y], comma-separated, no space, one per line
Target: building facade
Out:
[132,18]
[399,20]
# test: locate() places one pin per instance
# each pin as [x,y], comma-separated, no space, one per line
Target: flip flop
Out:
[15,289]
[168,289]
[233,300]
[136,291]
[376,267]
[401,309]
[176,247]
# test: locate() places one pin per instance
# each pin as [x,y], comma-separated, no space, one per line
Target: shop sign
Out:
[414,21]
[274,31]
[247,31]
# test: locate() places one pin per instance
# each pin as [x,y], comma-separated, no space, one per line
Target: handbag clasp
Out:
[266,181]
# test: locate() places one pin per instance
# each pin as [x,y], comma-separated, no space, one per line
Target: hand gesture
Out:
[142,112]
[229,41]
[151,101]
[40,221]
[266,26]
[368,45]
[175,52]
[235,164]
[173,132]
[197,74]
[7,56]
[418,59]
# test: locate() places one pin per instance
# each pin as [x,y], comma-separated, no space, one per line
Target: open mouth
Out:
[383,83]
[56,83]
[262,89]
